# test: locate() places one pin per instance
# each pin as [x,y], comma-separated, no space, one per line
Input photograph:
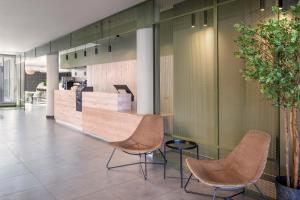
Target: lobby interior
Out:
[78,78]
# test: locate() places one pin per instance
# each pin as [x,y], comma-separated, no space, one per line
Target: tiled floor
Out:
[41,160]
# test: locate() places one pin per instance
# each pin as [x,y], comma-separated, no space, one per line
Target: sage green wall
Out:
[241,105]
[196,107]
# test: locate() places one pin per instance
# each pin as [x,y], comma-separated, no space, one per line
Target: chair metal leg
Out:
[145,167]
[144,170]
[215,193]
[112,167]
[260,192]
[112,154]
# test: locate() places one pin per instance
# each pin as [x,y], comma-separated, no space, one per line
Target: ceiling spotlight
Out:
[262,5]
[109,48]
[67,57]
[193,22]
[96,50]
[75,55]
[205,17]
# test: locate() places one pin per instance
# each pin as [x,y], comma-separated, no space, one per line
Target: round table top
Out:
[181,144]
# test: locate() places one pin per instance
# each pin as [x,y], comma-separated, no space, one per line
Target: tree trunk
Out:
[286,136]
[296,149]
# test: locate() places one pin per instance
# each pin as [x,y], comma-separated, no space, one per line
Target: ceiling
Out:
[25,24]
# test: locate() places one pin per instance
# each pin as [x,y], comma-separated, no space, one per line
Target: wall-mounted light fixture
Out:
[193,22]
[205,16]
[280,4]
[262,5]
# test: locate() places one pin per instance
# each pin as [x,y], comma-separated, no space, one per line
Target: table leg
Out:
[181,170]
[165,164]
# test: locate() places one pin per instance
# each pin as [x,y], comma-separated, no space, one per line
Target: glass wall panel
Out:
[188,82]
[8,80]
[241,106]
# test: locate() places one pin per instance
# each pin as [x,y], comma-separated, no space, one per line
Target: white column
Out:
[52,82]
[145,71]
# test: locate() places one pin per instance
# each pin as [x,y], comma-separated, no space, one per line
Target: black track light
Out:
[75,55]
[67,57]
[262,5]
[205,18]
[193,22]
[96,50]
[109,48]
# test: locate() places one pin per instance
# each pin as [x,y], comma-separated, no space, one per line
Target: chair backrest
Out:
[249,157]
[150,131]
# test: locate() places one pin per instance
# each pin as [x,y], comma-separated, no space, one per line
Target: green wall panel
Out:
[43,50]
[61,43]
[87,34]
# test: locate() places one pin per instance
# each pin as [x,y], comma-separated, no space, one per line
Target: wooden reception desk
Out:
[107,116]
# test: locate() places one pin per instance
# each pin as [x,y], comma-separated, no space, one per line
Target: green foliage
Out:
[271,53]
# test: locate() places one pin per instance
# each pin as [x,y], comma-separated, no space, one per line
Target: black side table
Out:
[180,146]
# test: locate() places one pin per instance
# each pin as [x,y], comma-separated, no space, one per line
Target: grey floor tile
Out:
[42,160]
[37,193]
[17,184]
[10,171]
[101,195]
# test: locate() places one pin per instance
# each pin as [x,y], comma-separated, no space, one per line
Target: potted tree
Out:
[271,54]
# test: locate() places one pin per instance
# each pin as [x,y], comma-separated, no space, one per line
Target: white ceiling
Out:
[25,24]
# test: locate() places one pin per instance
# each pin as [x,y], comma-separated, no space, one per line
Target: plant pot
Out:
[284,192]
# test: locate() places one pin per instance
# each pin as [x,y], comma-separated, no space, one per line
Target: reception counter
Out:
[106,116]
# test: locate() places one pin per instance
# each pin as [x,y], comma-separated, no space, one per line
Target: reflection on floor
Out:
[41,160]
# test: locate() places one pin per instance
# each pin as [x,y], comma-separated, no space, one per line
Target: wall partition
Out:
[8,80]
[203,95]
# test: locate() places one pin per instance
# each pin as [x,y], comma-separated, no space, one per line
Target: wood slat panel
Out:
[107,101]
[103,76]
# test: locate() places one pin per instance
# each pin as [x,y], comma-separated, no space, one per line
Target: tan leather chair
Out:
[147,137]
[241,168]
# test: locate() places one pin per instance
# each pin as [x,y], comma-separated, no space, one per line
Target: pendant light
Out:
[262,5]
[96,48]
[109,44]
[205,17]
[109,47]
[84,53]
[193,22]
[280,4]
[75,54]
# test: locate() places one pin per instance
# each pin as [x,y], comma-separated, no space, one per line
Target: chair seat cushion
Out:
[216,173]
